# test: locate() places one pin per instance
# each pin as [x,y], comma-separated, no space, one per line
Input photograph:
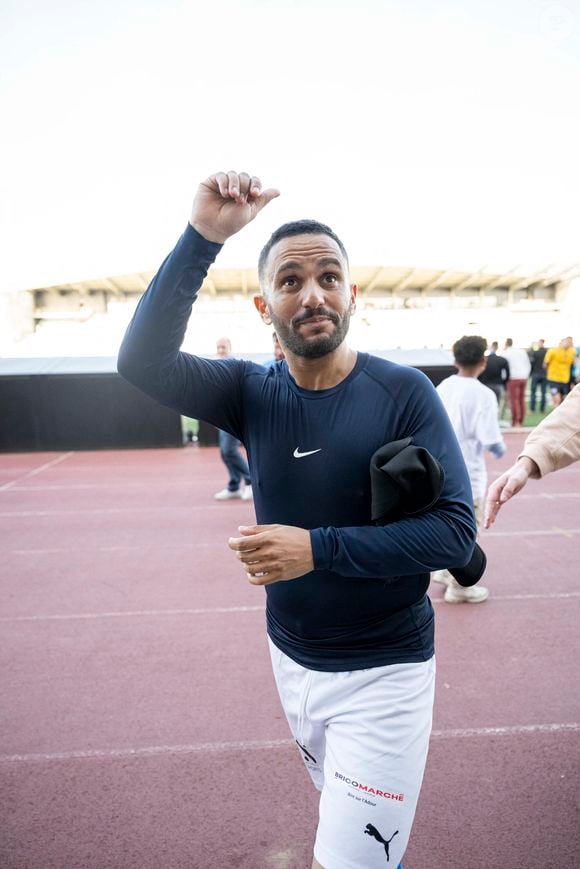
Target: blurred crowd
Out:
[537,378]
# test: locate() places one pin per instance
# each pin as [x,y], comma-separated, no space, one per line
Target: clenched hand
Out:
[226,202]
[270,553]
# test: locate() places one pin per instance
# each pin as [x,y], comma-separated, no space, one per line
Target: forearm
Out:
[149,356]
[438,539]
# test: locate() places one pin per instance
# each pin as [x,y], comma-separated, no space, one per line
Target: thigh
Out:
[296,687]
[373,768]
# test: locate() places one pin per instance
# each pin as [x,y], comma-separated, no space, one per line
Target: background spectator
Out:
[520,368]
[496,374]
[537,354]
[558,364]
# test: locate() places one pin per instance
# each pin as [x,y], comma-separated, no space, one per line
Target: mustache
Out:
[318,312]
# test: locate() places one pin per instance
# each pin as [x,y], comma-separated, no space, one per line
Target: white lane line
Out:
[77,549]
[151,750]
[106,487]
[517,730]
[563,595]
[180,484]
[116,510]
[36,471]
[261,744]
[204,611]
[493,473]
[199,611]
[544,532]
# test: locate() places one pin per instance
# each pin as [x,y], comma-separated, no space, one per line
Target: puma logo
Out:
[309,758]
[372,831]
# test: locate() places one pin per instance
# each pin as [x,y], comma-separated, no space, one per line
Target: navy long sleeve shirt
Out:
[365,603]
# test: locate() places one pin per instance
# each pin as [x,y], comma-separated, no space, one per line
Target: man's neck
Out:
[322,373]
[468,372]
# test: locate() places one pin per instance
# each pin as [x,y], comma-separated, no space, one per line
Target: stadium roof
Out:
[377,279]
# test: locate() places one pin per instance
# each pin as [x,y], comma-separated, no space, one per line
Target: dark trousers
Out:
[233,460]
[516,395]
[541,381]
[498,390]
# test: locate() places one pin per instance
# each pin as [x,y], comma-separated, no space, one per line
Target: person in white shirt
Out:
[472,409]
[520,367]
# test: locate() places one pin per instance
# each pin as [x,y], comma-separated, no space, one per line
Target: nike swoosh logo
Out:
[299,455]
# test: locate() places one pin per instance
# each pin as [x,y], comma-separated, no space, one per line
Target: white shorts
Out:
[363,736]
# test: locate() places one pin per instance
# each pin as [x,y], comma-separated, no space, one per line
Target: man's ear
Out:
[353,292]
[262,309]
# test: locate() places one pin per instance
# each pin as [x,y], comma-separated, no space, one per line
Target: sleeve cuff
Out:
[541,457]
[321,543]
[196,244]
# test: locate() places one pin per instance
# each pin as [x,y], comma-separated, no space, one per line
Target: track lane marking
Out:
[266,744]
[38,470]
[180,484]
[26,514]
[543,532]
[198,611]
[140,548]
[202,611]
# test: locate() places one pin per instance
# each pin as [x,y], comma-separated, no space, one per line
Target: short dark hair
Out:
[296,227]
[469,350]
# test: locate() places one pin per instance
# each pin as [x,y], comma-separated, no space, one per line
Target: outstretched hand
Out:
[226,202]
[270,553]
[506,486]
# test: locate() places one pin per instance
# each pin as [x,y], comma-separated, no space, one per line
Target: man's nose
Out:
[312,294]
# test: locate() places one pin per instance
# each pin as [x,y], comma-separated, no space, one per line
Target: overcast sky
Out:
[426,132]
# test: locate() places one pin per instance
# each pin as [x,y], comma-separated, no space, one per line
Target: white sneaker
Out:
[226,495]
[247,494]
[442,576]
[455,593]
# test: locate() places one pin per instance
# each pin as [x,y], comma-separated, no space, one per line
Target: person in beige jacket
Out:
[553,444]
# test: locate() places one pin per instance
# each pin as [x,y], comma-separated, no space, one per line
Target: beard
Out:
[316,346]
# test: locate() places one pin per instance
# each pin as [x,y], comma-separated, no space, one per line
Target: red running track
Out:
[141,729]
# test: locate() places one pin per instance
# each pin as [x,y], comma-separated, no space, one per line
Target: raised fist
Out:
[226,202]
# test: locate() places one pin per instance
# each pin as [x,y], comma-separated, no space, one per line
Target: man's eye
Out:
[330,278]
[289,282]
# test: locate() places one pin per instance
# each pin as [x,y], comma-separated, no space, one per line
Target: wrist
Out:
[529,466]
[207,232]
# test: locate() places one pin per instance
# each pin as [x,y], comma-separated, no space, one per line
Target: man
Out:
[558,364]
[537,355]
[230,450]
[519,364]
[350,625]
[473,414]
[553,444]
[278,349]
[495,375]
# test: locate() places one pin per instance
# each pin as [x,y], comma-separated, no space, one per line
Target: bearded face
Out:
[308,299]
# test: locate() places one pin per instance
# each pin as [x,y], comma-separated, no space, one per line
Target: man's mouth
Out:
[315,319]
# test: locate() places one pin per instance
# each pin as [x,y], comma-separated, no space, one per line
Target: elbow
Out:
[123,365]
[463,543]
[126,366]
